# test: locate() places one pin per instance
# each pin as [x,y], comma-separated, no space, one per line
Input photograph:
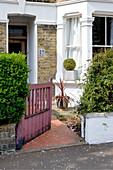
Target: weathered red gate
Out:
[37,119]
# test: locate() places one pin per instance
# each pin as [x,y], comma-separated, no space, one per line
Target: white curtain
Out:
[73,39]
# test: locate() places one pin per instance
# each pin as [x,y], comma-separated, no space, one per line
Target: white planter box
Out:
[98,128]
[70,75]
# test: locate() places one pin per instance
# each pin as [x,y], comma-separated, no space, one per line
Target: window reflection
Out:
[17,31]
[99,31]
[109,31]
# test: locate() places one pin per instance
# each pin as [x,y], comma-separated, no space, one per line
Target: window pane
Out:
[109,31]
[98,50]
[17,30]
[99,31]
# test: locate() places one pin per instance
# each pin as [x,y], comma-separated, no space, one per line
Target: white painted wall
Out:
[99,128]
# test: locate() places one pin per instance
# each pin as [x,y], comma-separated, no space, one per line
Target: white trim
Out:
[72,15]
[87,21]
[4,20]
[7,36]
[45,22]
[102,14]
[9,1]
[103,46]
[60,25]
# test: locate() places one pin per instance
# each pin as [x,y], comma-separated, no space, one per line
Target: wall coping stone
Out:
[97,115]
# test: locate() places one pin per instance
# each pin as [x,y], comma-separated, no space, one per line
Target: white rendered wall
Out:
[99,128]
[86,10]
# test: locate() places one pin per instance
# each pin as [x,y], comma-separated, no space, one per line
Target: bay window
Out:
[102,33]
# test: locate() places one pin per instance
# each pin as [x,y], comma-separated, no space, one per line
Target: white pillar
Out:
[33,53]
[7,46]
[59,51]
[86,41]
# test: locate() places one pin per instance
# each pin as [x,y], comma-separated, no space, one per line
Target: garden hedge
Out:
[13,87]
[98,91]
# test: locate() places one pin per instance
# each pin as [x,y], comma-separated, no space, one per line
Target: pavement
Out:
[78,157]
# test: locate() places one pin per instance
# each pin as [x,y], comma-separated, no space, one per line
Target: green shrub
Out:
[13,86]
[69,64]
[98,92]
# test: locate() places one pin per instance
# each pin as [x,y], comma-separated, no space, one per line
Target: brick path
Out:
[59,134]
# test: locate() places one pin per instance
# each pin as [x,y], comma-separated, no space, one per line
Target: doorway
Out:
[17,39]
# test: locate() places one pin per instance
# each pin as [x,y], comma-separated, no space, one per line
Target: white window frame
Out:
[69,16]
[103,46]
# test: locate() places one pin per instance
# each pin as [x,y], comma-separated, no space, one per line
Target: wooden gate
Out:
[37,119]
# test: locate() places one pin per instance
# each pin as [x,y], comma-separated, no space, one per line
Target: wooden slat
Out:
[26,106]
[33,97]
[48,98]
[30,103]
[40,99]
[44,99]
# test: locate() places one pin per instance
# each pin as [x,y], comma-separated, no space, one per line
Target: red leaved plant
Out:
[62,97]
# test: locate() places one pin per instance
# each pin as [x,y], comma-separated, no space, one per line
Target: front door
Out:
[17,39]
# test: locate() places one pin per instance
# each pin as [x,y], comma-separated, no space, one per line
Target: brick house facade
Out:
[49,31]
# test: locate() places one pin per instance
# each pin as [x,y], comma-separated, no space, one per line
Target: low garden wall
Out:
[98,128]
[7,138]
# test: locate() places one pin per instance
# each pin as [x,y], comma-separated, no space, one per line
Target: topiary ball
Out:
[69,64]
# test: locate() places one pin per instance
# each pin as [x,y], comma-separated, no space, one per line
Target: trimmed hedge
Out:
[69,64]
[13,87]
[98,92]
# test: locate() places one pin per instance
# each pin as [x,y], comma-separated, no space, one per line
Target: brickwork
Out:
[7,138]
[2,37]
[47,61]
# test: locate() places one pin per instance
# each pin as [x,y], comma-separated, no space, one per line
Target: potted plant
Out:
[96,104]
[62,99]
[69,72]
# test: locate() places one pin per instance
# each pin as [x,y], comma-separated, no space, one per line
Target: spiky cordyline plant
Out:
[62,86]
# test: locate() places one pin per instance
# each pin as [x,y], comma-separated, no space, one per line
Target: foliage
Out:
[69,64]
[98,92]
[62,86]
[13,86]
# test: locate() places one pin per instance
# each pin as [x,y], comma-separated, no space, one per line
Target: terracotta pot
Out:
[62,104]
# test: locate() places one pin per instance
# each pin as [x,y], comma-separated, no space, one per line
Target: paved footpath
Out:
[77,157]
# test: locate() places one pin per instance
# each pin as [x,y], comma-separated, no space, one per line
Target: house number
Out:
[41,52]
